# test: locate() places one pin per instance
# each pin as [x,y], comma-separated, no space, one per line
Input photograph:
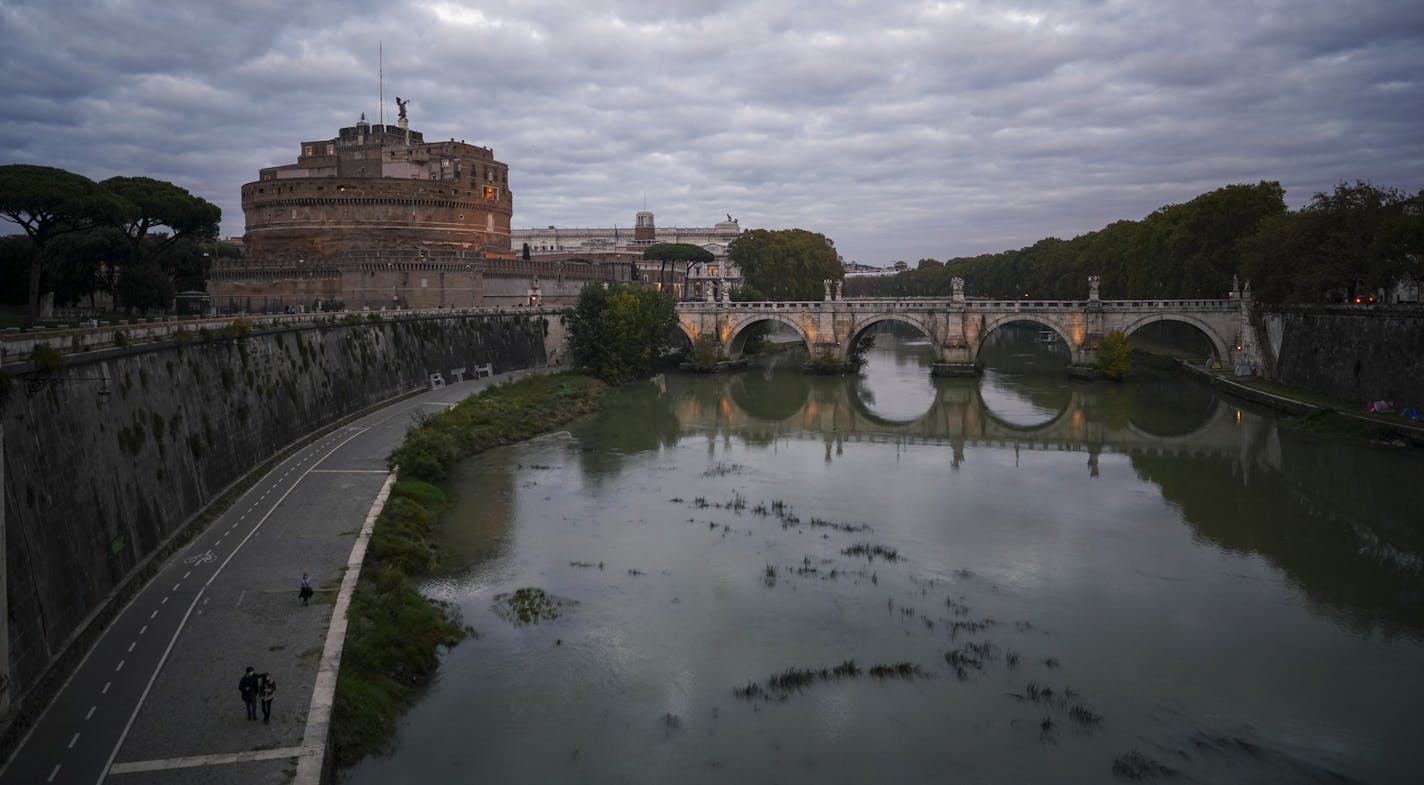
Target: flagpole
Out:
[381,78]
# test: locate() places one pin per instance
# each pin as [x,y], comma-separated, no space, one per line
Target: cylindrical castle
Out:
[378,188]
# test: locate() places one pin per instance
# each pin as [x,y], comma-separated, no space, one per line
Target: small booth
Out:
[192,303]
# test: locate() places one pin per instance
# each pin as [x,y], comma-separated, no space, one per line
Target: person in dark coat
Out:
[247,685]
[306,591]
[266,691]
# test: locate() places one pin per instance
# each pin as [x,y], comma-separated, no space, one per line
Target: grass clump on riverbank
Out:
[498,416]
[394,635]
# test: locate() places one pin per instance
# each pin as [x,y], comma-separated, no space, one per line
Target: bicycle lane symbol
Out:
[201,558]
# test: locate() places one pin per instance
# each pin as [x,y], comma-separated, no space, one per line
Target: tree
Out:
[1349,243]
[786,264]
[79,264]
[145,286]
[47,202]
[674,254]
[15,253]
[620,332]
[161,204]
[1115,356]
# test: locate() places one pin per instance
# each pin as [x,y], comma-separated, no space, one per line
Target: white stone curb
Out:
[314,739]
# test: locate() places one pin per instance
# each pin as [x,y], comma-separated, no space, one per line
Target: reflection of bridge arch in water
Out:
[958,417]
[1011,426]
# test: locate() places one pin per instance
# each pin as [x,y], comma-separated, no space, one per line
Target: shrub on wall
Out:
[46,359]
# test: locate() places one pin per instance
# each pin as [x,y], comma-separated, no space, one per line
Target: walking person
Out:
[266,692]
[247,685]
[306,592]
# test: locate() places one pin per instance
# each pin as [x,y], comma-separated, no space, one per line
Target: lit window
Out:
[306,150]
[489,193]
[711,269]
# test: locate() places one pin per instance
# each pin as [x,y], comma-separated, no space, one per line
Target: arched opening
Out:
[894,384]
[765,336]
[1023,385]
[679,340]
[1181,336]
[1025,346]
[1174,337]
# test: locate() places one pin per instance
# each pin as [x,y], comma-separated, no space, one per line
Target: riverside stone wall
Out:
[1362,355]
[108,456]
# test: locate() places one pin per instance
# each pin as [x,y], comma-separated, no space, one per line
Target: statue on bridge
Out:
[956,286]
[839,285]
[1093,281]
[826,282]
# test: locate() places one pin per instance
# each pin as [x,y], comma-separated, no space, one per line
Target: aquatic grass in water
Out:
[792,680]
[871,552]
[528,606]
[722,469]
[1135,766]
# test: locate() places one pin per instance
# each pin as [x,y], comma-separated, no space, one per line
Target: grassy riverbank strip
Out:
[394,634]
[1316,412]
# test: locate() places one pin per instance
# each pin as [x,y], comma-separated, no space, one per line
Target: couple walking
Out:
[256,686]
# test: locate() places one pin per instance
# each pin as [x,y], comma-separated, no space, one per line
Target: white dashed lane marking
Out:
[151,615]
[91,712]
[53,772]
[143,629]
[119,667]
[107,685]
[131,645]
[72,741]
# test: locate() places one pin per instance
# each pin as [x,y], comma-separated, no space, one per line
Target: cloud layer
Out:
[899,129]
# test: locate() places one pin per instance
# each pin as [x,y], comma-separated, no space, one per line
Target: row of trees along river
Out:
[1357,241]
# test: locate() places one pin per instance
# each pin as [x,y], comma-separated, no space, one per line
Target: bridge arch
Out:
[1063,331]
[736,337]
[1219,345]
[863,326]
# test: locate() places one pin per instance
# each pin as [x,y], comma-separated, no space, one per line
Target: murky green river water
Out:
[1061,578]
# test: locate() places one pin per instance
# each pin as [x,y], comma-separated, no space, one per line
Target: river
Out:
[765,577]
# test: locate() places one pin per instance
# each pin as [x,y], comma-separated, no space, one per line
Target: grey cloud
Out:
[900,130]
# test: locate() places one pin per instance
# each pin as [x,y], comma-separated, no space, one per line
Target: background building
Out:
[620,244]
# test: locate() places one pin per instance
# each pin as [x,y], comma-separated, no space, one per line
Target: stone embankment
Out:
[112,445]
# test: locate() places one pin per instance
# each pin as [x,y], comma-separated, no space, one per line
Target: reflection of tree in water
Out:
[637,419]
[1358,554]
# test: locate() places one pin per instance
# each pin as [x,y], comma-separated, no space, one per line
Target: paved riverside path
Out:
[156,699]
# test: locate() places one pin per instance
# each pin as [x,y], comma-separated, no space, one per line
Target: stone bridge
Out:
[958,326]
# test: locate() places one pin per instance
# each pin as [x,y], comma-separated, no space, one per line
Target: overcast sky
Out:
[901,130]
